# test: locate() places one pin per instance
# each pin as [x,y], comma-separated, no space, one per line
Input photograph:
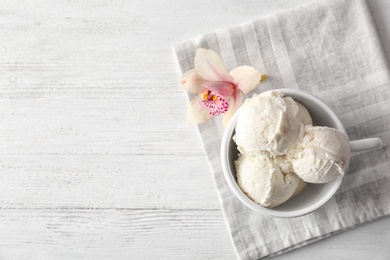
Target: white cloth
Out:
[330,49]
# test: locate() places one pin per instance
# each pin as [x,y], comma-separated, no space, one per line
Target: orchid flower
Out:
[218,91]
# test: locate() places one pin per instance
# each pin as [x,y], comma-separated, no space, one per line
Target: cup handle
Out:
[365,145]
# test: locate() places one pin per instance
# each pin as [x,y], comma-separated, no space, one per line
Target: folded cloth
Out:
[330,49]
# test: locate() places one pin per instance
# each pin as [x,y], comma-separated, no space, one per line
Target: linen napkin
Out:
[330,49]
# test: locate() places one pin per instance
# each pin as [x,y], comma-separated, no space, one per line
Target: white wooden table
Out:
[96,160]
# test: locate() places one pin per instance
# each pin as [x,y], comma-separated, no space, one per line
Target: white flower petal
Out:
[191,81]
[210,66]
[235,104]
[246,77]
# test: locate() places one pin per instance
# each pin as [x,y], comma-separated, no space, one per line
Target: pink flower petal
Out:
[196,112]
[192,82]
[225,89]
[235,104]
[210,66]
[246,77]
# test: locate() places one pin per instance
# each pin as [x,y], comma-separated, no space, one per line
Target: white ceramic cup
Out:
[315,195]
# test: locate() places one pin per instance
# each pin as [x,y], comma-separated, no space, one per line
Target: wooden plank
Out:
[113,234]
[101,181]
[115,124]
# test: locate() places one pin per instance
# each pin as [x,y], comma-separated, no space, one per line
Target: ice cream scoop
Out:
[301,186]
[269,122]
[262,180]
[303,115]
[322,156]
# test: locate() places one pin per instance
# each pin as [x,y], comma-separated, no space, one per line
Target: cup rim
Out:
[229,176]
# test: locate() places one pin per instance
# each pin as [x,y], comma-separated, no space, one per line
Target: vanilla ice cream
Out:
[262,180]
[301,186]
[281,151]
[286,168]
[270,122]
[323,155]
[303,115]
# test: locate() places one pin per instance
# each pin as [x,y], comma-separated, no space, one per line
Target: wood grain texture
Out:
[96,160]
[113,234]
